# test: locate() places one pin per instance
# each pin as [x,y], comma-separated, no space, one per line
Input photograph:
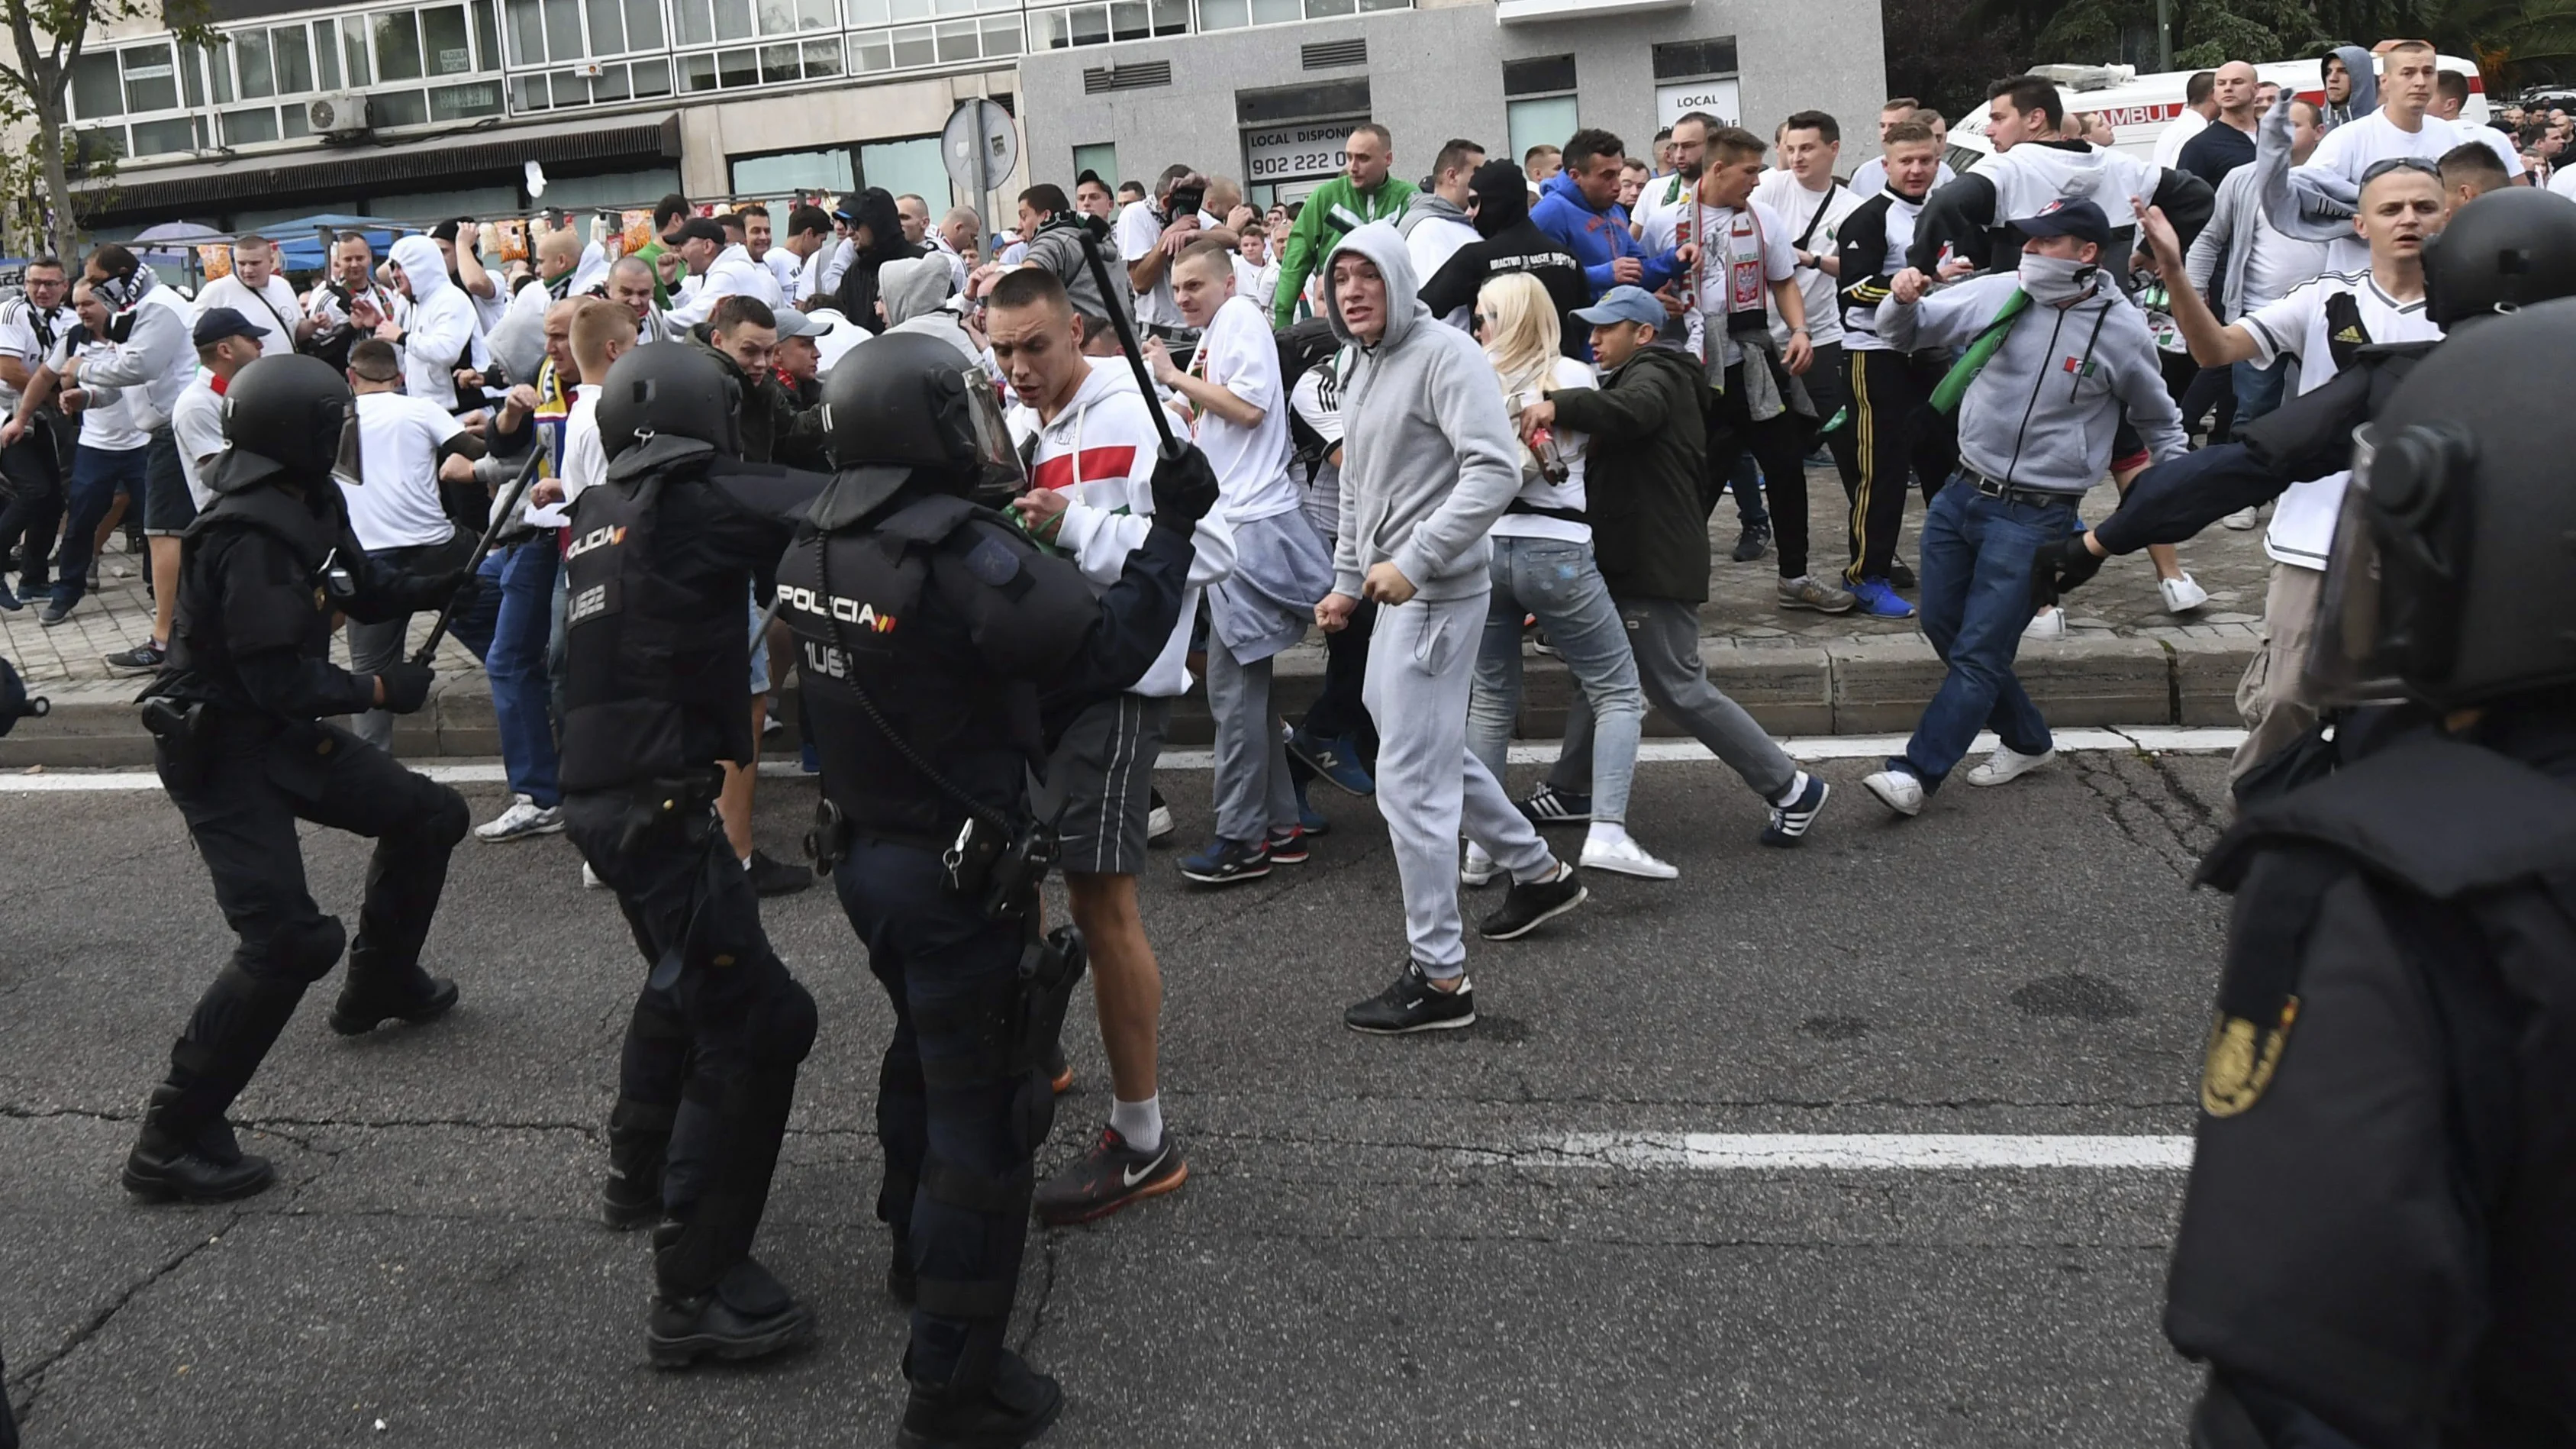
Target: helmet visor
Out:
[348,458]
[999,474]
[2388,612]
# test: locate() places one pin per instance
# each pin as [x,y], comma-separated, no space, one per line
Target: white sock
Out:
[1141,1123]
[1556,871]
[1797,787]
[1605,832]
[1793,583]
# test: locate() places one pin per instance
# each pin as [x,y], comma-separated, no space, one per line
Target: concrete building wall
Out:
[1436,73]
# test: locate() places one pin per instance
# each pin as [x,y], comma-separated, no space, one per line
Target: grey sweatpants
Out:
[1664,635]
[1422,664]
[371,648]
[1254,793]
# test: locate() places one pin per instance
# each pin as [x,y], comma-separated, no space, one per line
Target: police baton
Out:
[1127,342]
[501,518]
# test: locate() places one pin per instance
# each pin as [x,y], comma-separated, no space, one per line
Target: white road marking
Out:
[1864,1152]
[1819,747]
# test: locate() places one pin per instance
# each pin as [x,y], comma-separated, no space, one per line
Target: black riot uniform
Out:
[242,745]
[658,582]
[936,642]
[2375,1250]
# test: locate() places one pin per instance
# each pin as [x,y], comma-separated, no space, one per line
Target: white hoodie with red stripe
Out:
[1099,453]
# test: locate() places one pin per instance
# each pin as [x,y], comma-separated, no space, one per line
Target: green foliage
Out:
[47,37]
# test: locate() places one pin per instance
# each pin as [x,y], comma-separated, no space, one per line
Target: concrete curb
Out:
[1856,686]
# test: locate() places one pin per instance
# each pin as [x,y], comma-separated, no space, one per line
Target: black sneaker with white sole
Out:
[1413,1004]
[1532,904]
[1552,806]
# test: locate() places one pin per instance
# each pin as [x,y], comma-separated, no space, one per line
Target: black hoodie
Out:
[874,209]
[1510,242]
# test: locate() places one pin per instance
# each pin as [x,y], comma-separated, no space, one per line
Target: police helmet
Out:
[2457,525]
[2510,248]
[912,402]
[287,415]
[668,389]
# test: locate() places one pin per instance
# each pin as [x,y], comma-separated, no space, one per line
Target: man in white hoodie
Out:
[1091,496]
[1428,463]
[717,269]
[436,334]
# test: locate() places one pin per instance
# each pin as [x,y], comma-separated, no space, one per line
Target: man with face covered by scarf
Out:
[2053,358]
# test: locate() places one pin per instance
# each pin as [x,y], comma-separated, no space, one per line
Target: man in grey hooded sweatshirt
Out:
[914,293]
[1429,461]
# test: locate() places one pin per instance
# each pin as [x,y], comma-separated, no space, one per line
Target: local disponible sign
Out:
[1716,97]
[1304,151]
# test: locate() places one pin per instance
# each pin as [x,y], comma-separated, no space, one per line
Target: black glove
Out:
[1184,488]
[406,686]
[432,592]
[2059,568]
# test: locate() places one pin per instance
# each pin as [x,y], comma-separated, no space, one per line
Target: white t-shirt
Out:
[1434,241]
[1239,353]
[272,309]
[1317,397]
[1569,447]
[2351,149]
[1752,250]
[107,426]
[2563,182]
[20,339]
[197,426]
[2171,140]
[1871,178]
[2303,523]
[398,442]
[584,461]
[1796,205]
[1139,231]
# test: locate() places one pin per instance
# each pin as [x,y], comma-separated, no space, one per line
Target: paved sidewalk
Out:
[2124,660]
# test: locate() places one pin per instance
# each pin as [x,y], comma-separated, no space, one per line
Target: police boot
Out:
[747,1314]
[175,1161]
[639,1139]
[1014,1408]
[377,991]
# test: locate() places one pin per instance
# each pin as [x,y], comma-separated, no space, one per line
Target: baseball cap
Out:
[792,323]
[703,228]
[445,231]
[217,323]
[1623,303]
[2081,220]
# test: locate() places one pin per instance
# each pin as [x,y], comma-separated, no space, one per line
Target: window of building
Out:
[907,167]
[790,172]
[1101,160]
[1545,121]
[1102,24]
[1696,75]
[566,34]
[1235,14]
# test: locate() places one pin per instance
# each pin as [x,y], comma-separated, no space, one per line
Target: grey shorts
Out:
[167,507]
[1102,773]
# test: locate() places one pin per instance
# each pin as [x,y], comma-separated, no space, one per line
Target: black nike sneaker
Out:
[1109,1177]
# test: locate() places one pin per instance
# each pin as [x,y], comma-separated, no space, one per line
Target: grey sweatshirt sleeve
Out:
[150,351]
[1346,539]
[1948,317]
[2201,263]
[1489,474]
[2140,382]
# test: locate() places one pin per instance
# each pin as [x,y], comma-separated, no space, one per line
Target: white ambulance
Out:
[2141,106]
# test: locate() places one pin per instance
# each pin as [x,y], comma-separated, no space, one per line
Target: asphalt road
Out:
[1377,1245]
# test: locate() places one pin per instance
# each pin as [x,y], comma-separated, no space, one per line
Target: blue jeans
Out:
[1976,598]
[1561,584]
[97,475]
[510,638]
[2258,389]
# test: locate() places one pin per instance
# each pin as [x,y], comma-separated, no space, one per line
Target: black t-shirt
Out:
[1521,247]
[2218,149]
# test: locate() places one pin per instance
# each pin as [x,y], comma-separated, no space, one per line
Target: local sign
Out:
[1717,97]
[1304,151]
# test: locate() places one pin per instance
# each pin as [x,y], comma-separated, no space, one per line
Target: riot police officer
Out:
[937,641]
[2374,1249]
[239,713]
[658,579]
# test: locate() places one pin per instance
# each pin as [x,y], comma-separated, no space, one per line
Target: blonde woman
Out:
[1543,566]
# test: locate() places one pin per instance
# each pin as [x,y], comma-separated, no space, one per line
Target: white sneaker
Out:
[2006,765]
[524,820]
[590,878]
[2046,624]
[1897,790]
[2182,595]
[1158,823]
[1479,868]
[2243,518]
[1626,857]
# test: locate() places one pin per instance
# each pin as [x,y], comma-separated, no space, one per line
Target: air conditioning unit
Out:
[343,114]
